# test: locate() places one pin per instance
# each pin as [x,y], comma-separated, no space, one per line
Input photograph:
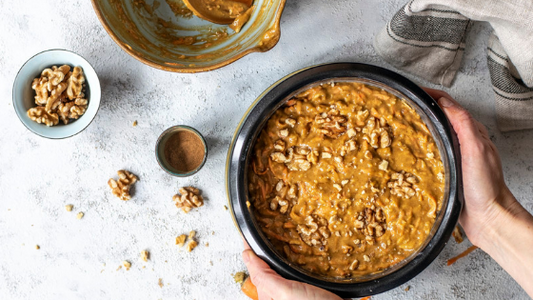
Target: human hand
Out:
[486,195]
[270,285]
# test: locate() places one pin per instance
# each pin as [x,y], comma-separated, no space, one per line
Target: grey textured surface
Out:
[78,259]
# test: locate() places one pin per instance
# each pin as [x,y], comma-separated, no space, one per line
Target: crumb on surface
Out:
[225,207]
[119,267]
[407,288]
[126,265]
[134,123]
[191,245]
[160,282]
[37,247]
[239,277]
[180,240]
[192,234]
[69,207]
[207,244]
[80,215]
[145,255]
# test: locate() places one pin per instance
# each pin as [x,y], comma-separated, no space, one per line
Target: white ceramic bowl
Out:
[23,94]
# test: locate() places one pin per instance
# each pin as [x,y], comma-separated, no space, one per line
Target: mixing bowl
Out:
[239,157]
[165,35]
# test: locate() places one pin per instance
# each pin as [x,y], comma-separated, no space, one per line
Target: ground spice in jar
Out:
[184,151]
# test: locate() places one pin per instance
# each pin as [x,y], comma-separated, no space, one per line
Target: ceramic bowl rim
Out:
[239,55]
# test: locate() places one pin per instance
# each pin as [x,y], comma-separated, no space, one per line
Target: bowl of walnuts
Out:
[56,94]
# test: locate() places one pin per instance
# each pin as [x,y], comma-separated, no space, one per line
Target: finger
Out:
[246,246]
[482,129]
[462,122]
[268,282]
[436,94]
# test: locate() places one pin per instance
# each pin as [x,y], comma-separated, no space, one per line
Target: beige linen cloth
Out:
[428,40]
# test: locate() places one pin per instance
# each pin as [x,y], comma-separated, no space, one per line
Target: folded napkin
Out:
[428,40]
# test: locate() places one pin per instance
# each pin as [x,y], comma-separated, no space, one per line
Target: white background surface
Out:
[78,259]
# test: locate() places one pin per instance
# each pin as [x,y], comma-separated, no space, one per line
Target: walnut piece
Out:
[180,240]
[371,223]
[80,215]
[402,184]
[72,109]
[377,133]
[191,245]
[69,207]
[75,83]
[331,124]
[121,187]
[314,232]
[188,199]
[126,265]
[40,115]
[145,255]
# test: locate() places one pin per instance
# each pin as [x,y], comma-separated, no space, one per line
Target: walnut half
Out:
[190,198]
[40,115]
[121,187]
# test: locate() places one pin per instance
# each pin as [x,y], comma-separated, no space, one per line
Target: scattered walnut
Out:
[145,255]
[402,184]
[40,115]
[191,245]
[121,187]
[366,258]
[80,215]
[126,265]
[188,198]
[192,234]
[69,207]
[180,240]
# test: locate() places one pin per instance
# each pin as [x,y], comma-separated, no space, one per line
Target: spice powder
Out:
[184,151]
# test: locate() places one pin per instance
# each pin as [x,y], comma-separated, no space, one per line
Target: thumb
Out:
[263,277]
[462,122]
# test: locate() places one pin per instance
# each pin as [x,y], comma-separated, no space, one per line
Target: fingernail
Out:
[246,256]
[445,102]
